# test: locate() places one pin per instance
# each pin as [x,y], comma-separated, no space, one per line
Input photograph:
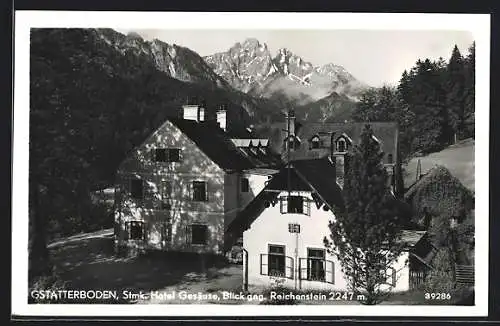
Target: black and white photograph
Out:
[250,164]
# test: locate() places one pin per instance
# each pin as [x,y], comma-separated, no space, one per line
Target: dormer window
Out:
[341,145]
[389,158]
[315,142]
[292,143]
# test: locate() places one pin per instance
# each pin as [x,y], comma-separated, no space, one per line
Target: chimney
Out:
[222,119]
[290,119]
[193,112]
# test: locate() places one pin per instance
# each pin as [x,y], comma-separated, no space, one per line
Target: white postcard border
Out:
[477,24]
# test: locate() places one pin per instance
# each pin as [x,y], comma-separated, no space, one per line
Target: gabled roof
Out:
[320,175]
[315,175]
[212,141]
[386,132]
[219,147]
[440,193]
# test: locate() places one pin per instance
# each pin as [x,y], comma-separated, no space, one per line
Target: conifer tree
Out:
[365,235]
[470,84]
[455,93]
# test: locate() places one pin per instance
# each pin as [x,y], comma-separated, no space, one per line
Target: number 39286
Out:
[437,296]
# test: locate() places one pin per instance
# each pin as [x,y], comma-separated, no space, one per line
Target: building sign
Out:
[293,228]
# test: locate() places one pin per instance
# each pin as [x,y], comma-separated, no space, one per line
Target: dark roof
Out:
[386,132]
[440,193]
[217,145]
[320,174]
[316,175]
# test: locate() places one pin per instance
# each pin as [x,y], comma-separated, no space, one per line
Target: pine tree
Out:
[365,234]
[470,84]
[455,93]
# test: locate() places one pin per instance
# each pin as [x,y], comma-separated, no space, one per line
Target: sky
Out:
[375,57]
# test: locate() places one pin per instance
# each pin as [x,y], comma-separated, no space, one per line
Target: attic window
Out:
[315,142]
[292,143]
[167,154]
[295,205]
[341,145]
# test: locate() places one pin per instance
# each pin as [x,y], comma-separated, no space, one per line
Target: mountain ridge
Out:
[250,67]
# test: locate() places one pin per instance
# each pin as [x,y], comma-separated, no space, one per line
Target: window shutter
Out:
[207,235]
[206,190]
[188,234]
[283,205]
[330,271]
[303,268]
[289,267]
[152,155]
[144,231]
[264,261]
[306,206]
[127,230]
[393,277]
[190,189]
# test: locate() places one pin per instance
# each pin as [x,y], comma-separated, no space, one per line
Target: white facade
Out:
[272,228]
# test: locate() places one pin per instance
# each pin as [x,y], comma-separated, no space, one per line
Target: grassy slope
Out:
[458,159]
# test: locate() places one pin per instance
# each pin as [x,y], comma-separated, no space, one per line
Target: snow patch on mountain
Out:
[262,75]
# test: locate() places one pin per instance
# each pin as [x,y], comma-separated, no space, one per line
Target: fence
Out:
[464,274]
[417,279]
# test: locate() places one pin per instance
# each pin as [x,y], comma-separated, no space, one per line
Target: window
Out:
[160,155]
[389,159]
[315,143]
[167,233]
[136,188]
[199,234]
[316,264]
[200,191]
[245,185]
[167,154]
[295,205]
[135,230]
[165,193]
[276,260]
[292,142]
[341,146]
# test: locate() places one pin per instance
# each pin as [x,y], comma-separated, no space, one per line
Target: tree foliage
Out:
[433,103]
[90,104]
[365,235]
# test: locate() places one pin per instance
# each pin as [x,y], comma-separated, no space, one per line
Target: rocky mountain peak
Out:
[250,67]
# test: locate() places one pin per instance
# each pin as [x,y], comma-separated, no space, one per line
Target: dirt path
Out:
[87,262]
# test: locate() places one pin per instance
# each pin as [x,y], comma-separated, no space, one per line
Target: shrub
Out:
[52,282]
[441,278]
[277,286]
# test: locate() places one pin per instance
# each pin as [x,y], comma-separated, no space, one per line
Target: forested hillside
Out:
[433,103]
[90,104]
